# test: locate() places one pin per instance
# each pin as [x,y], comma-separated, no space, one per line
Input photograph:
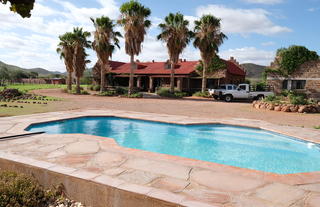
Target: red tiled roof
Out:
[234,69]
[159,68]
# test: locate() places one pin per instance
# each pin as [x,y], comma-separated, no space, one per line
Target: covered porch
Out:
[151,83]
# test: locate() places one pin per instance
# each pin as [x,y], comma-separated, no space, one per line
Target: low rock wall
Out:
[315,108]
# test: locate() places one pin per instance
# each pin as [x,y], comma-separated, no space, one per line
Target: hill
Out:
[40,71]
[254,72]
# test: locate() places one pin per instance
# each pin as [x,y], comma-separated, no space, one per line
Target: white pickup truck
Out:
[229,92]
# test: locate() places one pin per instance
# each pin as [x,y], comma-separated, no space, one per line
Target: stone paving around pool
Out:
[182,181]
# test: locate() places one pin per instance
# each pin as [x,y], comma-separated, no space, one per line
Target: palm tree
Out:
[208,38]
[175,32]
[79,61]
[134,20]
[105,40]
[65,49]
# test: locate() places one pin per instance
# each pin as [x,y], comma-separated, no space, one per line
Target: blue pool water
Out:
[224,144]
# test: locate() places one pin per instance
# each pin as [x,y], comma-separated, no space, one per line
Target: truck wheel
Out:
[260,97]
[228,98]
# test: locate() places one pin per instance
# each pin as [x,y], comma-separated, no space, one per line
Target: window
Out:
[285,85]
[230,88]
[242,87]
[294,84]
[298,84]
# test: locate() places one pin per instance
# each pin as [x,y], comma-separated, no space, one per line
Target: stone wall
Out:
[309,71]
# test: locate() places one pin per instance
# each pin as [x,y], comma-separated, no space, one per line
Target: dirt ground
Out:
[194,108]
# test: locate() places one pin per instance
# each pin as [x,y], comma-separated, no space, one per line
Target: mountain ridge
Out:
[40,71]
[254,71]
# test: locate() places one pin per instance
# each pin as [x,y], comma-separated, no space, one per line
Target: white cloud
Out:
[243,21]
[249,55]
[313,9]
[36,45]
[32,42]
[263,1]
[270,43]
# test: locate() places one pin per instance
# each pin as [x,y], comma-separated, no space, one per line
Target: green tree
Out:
[175,32]
[17,75]
[66,51]
[22,7]
[289,59]
[4,75]
[33,74]
[216,64]
[208,38]
[105,41]
[80,43]
[134,20]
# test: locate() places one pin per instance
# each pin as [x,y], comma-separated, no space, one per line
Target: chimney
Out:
[185,60]
[138,61]
[180,60]
[233,60]
[153,61]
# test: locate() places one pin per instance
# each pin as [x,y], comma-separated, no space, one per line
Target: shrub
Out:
[200,94]
[135,95]
[19,190]
[261,86]
[179,94]
[121,90]
[74,91]
[10,93]
[94,87]
[165,92]
[298,100]
[286,93]
[272,98]
[317,127]
[108,93]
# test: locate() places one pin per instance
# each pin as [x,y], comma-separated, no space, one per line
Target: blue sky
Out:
[256,28]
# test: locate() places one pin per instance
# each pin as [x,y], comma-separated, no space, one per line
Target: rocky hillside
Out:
[254,72]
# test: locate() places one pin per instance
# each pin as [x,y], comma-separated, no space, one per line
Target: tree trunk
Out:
[78,90]
[131,78]
[172,78]
[102,78]
[69,81]
[204,78]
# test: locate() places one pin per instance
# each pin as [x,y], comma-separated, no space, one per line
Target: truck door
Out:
[243,92]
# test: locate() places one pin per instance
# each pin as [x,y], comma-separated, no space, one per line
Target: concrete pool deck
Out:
[99,172]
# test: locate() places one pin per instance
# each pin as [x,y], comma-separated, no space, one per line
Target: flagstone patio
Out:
[175,181]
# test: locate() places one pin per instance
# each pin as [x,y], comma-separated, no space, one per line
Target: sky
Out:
[255,28]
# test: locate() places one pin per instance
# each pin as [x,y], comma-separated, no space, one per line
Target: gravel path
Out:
[190,107]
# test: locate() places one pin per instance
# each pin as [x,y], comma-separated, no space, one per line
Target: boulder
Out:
[302,109]
[285,108]
[270,107]
[313,109]
[262,106]
[294,109]
[277,108]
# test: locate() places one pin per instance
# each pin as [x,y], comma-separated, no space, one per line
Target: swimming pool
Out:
[236,146]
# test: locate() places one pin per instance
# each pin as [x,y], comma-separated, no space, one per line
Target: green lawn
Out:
[30,87]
